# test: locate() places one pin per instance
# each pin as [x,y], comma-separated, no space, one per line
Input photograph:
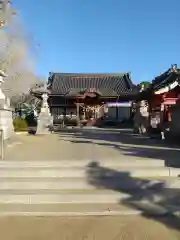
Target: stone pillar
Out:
[141,118]
[6,119]
[162,125]
[78,114]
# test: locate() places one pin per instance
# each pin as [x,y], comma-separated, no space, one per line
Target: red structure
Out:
[163,93]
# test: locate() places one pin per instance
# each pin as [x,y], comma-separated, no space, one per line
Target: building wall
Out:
[119,113]
[111,113]
[57,112]
[59,105]
[124,113]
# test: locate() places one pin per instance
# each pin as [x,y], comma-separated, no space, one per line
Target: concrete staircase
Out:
[71,188]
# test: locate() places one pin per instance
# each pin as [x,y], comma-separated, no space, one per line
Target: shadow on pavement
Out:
[142,194]
[128,143]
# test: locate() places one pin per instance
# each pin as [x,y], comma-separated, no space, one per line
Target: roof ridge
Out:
[89,74]
[107,84]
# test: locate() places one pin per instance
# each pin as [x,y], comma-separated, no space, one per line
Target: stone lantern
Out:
[45,120]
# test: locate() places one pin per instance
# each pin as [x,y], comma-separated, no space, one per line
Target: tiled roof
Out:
[166,78]
[159,82]
[105,84]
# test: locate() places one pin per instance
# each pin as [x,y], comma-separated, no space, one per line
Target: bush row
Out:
[21,124]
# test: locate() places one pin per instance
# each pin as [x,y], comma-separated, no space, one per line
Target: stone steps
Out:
[83,204]
[68,172]
[81,197]
[82,188]
[115,162]
[76,184]
[75,210]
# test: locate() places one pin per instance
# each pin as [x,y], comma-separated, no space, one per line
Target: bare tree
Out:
[15,57]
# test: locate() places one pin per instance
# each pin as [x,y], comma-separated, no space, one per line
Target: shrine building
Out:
[88,97]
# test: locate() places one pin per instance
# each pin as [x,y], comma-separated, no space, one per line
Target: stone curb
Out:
[21,133]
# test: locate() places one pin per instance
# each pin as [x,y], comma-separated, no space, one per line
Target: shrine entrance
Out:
[89,107]
[89,112]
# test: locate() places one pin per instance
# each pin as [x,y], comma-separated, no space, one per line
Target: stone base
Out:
[43,132]
[42,129]
[6,123]
[43,123]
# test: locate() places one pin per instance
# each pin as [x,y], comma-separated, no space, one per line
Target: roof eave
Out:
[52,74]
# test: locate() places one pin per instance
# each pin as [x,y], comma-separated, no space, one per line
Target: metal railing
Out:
[2,143]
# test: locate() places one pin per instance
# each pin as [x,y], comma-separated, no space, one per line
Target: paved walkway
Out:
[80,145]
[81,228]
[84,174]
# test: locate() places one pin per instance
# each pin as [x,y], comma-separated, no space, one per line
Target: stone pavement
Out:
[83,228]
[80,175]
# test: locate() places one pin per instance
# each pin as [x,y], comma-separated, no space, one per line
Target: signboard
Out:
[119,104]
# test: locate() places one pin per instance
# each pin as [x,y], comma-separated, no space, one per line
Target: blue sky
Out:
[115,36]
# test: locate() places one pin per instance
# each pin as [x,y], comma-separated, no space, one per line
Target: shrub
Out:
[31,120]
[20,124]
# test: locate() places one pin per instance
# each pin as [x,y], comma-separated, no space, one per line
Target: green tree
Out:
[145,83]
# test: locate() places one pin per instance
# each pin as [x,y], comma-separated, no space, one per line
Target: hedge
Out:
[20,124]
